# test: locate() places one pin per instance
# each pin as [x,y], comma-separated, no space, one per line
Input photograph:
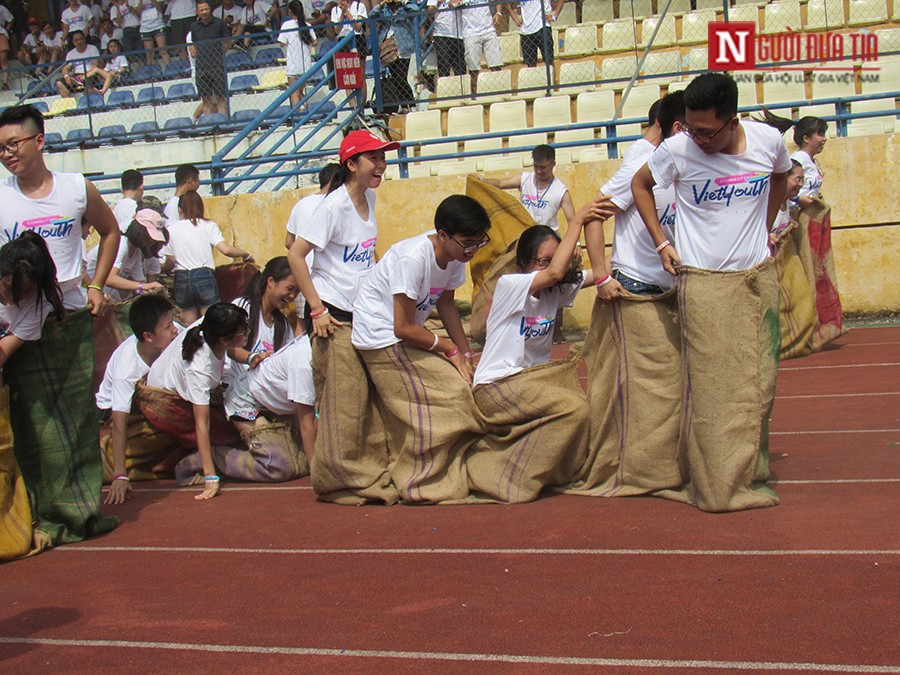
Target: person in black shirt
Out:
[209,50]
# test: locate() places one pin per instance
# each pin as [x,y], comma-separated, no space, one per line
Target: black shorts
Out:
[212,83]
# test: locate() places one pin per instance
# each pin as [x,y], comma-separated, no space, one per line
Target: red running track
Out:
[264,578]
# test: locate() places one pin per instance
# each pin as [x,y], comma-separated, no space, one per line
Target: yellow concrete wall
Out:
[858,183]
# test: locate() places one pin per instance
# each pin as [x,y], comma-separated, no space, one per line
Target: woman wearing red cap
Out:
[343,232]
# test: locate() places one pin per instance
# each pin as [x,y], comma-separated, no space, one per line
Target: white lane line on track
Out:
[470,551]
[229,488]
[829,481]
[834,431]
[874,393]
[458,657]
[845,365]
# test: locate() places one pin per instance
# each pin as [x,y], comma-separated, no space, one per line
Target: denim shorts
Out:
[634,286]
[196,288]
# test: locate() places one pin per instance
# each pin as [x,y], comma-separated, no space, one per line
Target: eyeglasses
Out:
[471,248]
[12,147]
[703,135]
[542,263]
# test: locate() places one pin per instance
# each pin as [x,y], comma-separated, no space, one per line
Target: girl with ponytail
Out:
[28,292]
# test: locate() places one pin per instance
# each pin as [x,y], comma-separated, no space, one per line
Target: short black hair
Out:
[22,114]
[713,91]
[145,313]
[76,31]
[543,153]
[186,172]
[330,175]
[671,110]
[462,215]
[653,112]
[132,179]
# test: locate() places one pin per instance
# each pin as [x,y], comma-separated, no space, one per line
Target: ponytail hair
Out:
[27,258]
[190,204]
[276,269]
[805,126]
[296,8]
[222,320]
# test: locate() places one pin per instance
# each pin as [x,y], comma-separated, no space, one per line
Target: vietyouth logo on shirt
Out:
[361,254]
[48,227]
[667,218]
[434,295]
[536,326]
[748,185]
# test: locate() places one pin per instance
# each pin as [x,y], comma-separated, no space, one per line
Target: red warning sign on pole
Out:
[348,70]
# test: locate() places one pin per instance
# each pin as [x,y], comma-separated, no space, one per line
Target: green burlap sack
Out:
[537,431]
[350,461]
[796,303]
[431,421]
[54,422]
[730,341]
[633,358]
[15,512]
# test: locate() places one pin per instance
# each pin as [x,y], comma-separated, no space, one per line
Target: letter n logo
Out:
[732,46]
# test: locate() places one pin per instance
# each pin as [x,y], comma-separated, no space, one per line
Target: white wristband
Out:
[434,344]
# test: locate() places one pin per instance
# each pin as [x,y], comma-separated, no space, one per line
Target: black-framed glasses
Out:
[13,146]
[702,135]
[471,248]
[542,263]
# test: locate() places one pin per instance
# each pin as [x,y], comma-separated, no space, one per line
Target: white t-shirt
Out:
[55,42]
[83,62]
[357,11]
[344,244]
[633,250]
[520,326]
[123,370]
[26,319]
[30,43]
[259,15]
[191,245]
[409,268]
[299,56]
[237,14]
[446,20]
[124,211]
[303,211]
[116,64]
[812,175]
[543,205]
[5,17]
[151,17]
[97,16]
[171,210]
[104,38]
[132,267]
[476,20]
[265,342]
[77,19]
[56,217]
[721,199]
[130,18]
[193,381]
[182,9]
[782,220]
[532,15]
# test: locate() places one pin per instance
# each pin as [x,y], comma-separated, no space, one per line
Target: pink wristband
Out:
[663,245]
[453,353]
[605,280]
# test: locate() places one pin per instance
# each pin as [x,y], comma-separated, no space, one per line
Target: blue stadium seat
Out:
[322,109]
[277,114]
[177,124]
[42,106]
[78,135]
[243,83]
[178,68]
[268,56]
[324,46]
[238,61]
[211,121]
[120,98]
[150,72]
[53,139]
[245,116]
[115,133]
[150,95]
[94,101]
[150,129]
[45,89]
[181,91]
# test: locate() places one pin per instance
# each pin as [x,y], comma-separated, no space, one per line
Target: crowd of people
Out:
[353,387]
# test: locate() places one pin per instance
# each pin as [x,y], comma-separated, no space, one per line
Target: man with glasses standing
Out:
[51,381]
[730,179]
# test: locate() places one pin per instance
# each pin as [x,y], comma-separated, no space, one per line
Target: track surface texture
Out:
[265,578]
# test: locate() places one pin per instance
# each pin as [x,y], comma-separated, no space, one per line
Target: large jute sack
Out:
[796,303]
[171,414]
[145,449]
[813,243]
[537,432]
[54,423]
[431,421]
[508,220]
[730,340]
[481,303]
[633,358]
[350,461]
[15,512]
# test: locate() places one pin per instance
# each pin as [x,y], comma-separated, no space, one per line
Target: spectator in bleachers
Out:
[132,192]
[153,28]
[298,39]
[31,53]
[234,15]
[76,17]
[259,17]
[53,43]
[187,177]
[534,28]
[82,68]
[115,65]
[350,13]
[124,15]
[447,36]
[208,48]
[397,41]
[182,13]
[109,31]
[480,38]
[6,18]
[97,13]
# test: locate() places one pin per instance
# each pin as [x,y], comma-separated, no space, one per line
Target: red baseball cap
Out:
[32,21]
[363,141]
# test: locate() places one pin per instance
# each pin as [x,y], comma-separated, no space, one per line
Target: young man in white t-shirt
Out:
[635,265]
[76,17]
[480,37]
[730,179]
[187,177]
[153,328]
[132,192]
[534,28]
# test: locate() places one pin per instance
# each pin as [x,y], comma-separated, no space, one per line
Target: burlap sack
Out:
[15,512]
[813,243]
[171,414]
[796,304]
[537,431]
[431,421]
[633,358]
[145,449]
[350,461]
[730,342]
